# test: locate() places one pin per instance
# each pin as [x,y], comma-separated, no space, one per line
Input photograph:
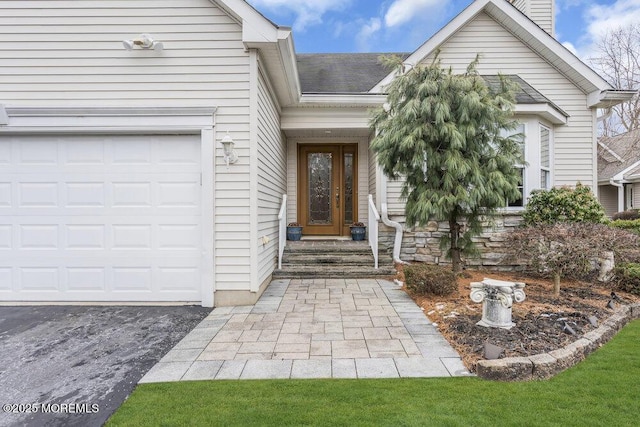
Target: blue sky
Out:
[403,25]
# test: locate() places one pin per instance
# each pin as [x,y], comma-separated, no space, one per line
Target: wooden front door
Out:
[328,198]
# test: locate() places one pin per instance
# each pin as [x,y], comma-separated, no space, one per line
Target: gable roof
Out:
[533,36]
[619,155]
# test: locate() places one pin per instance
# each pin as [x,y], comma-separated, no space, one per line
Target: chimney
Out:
[542,12]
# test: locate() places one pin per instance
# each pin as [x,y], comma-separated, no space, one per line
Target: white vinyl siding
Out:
[373,166]
[70,53]
[501,52]
[292,181]
[363,181]
[272,176]
[539,11]
[545,157]
[608,197]
[395,202]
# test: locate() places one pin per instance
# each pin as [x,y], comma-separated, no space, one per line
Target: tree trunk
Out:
[454,230]
[556,284]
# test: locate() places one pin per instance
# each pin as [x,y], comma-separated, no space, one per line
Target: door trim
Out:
[339,227]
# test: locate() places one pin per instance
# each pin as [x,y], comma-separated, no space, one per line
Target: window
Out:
[628,202]
[545,159]
[536,145]
[520,132]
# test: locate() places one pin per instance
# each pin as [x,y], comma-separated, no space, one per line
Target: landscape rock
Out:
[544,366]
[509,369]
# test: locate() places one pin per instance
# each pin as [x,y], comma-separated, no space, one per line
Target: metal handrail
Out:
[282,231]
[374,217]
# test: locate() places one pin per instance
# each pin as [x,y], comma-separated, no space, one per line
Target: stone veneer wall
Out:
[423,243]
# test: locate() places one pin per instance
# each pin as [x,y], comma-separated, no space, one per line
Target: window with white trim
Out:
[536,142]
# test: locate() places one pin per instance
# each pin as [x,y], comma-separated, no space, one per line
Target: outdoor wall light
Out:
[144,42]
[230,155]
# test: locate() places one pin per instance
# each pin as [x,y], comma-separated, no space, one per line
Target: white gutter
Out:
[620,193]
[397,243]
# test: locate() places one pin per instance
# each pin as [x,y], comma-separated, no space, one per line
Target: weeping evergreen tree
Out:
[445,135]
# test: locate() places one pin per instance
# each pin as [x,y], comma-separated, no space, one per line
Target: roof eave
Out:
[343,99]
[609,98]
[548,112]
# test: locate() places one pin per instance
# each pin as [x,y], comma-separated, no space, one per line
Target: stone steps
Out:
[332,259]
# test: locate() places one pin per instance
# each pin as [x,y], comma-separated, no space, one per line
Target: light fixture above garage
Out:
[144,41]
[230,155]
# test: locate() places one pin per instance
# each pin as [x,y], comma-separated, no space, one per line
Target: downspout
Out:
[607,113]
[397,243]
[615,183]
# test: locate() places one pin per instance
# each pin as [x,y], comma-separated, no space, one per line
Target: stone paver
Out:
[314,328]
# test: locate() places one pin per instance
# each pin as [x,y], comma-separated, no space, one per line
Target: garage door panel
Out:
[5,279]
[45,278]
[86,278]
[100,218]
[89,152]
[37,153]
[5,195]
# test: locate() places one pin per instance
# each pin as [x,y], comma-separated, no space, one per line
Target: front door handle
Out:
[337,197]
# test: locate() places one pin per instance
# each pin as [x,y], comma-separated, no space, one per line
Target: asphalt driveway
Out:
[75,365]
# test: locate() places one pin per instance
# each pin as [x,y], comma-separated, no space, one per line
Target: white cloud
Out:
[403,11]
[601,18]
[367,31]
[307,12]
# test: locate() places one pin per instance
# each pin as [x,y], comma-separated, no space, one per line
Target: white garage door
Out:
[100,218]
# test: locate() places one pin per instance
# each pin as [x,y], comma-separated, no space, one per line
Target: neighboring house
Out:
[114,185]
[619,172]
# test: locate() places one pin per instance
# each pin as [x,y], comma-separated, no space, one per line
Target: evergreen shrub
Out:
[632,225]
[428,279]
[563,204]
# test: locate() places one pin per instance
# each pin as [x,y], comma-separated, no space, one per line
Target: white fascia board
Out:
[545,111]
[620,175]
[347,100]
[514,20]
[609,98]
[255,27]
[287,55]
[324,118]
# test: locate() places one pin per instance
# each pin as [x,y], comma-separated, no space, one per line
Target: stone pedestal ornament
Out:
[497,298]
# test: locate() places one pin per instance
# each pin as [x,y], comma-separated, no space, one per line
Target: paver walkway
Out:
[314,328]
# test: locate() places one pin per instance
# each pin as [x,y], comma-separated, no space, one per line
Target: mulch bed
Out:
[543,322]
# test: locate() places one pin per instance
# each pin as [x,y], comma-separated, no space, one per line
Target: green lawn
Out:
[603,390]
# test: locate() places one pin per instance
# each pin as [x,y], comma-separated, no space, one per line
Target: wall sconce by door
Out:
[230,155]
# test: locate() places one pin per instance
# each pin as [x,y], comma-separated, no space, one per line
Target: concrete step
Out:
[306,258]
[333,272]
[332,259]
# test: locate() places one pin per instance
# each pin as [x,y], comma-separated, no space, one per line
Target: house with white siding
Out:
[114,182]
[619,172]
